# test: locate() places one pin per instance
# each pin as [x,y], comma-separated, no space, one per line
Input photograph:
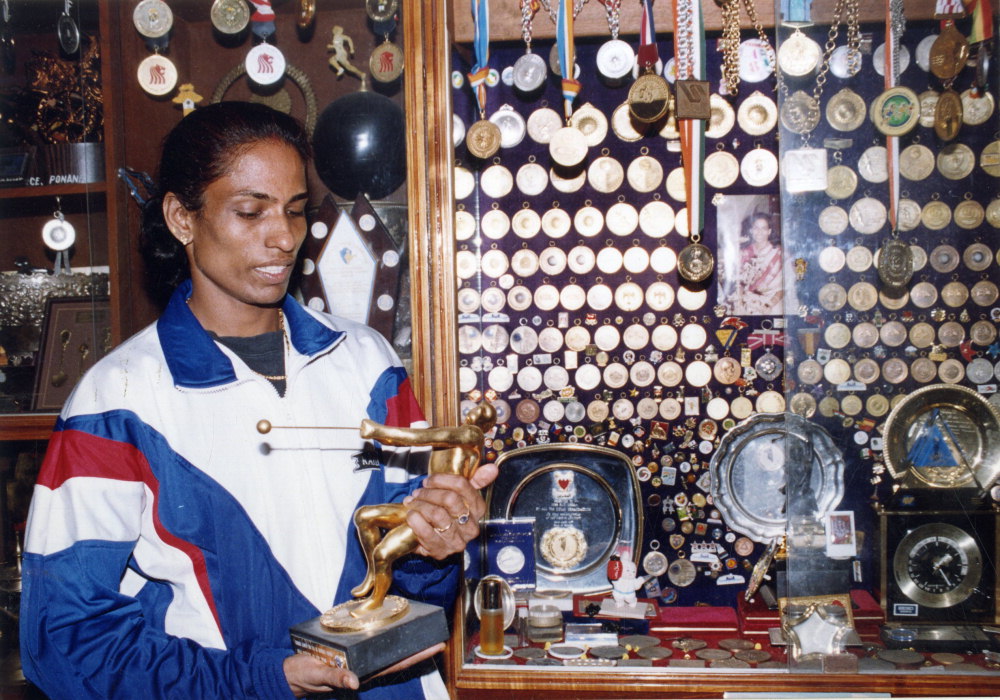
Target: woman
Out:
[168,547]
[759,287]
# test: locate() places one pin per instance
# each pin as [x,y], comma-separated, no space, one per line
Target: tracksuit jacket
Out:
[170,545]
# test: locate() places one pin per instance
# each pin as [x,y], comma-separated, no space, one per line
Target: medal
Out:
[615,58]
[230,16]
[59,235]
[386,62]
[896,111]
[483,137]
[152,18]
[895,263]
[948,115]
[265,64]
[757,114]
[695,262]
[800,113]
[67,30]
[649,96]
[798,55]
[948,53]
[157,75]
[381,10]
[529,69]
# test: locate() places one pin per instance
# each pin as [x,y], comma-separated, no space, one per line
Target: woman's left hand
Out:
[445,512]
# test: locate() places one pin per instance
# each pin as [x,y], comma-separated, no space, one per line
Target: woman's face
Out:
[243,242]
[760,231]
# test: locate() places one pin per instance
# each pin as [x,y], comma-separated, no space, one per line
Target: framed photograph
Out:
[840,537]
[752,268]
[76,332]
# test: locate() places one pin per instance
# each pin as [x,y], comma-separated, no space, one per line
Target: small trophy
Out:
[377,630]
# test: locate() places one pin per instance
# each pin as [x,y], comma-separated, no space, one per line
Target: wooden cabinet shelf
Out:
[27,426]
[53,190]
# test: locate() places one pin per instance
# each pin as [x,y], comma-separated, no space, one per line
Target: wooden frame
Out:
[76,332]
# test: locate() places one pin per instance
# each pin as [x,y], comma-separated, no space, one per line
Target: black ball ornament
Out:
[360,145]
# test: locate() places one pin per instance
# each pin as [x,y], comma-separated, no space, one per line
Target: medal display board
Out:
[850,267]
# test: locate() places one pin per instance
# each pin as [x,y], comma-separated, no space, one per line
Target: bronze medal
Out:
[649,98]
[949,52]
[483,139]
[895,263]
[948,115]
[695,262]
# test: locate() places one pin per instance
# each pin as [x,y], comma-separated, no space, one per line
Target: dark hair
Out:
[196,152]
[774,237]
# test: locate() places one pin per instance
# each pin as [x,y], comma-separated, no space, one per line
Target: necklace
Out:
[284,337]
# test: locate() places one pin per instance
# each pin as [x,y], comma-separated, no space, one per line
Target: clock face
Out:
[938,565]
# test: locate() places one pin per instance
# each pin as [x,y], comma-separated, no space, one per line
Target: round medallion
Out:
[969,214]
[157,75]
[152,18]
[622,219]
[800,113]
[977,107]
[956,161]
[944,258]
[568,146]
[858,259]
[496,181]
[923,295]
[645,174]
[588,221]
[841,182]
[542,124]
[556,223]
[873,165]
[907,214]
[895,370]
[923,370]
[833,220]
[590,122]
[511,125]
[722,117]
[656,219]
[482,139]
[526,223]
[529,72]
[846,110]
[623,126]
[916,162]
[928,107]
[759,167]
[868,215]
[757,114]
[720,169]
[798,55]
[756,60]
[605,174]
[581,260]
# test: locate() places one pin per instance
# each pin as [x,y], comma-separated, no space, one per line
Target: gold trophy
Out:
[370,633]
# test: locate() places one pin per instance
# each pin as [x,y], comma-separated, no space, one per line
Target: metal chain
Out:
[685,42]
[527,12]
[751,9]
[897,25]
[612,8]
[729,44]
[553,14]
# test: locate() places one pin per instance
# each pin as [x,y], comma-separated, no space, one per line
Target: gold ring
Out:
[463,518]
[442,530]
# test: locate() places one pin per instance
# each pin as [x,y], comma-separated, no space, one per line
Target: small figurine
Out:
[624,583]
[343,48]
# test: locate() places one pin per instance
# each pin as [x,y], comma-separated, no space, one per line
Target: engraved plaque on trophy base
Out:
[369,651]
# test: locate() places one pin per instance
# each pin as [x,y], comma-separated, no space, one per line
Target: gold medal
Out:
[895,263]
[649,98]
[916,162]
[846,110]
[841,181]
[969,214]
[800,113]
[483,139]
[989,159]
[896,111]
[949,52]
[956,161]
[695,261]
[948,115]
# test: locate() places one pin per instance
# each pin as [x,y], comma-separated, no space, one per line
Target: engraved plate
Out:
[804,170]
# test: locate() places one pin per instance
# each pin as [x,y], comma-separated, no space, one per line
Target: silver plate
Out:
[750,483]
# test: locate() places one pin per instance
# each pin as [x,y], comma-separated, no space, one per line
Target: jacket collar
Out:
[195,361]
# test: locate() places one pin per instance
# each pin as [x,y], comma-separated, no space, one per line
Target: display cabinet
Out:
[809,424]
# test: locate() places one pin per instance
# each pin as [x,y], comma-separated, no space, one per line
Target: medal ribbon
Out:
[946,8]
[894,23]
[564,40]
[648,54]
[262,19]
[765,337]
[689,48]
[982,21]
[481,44]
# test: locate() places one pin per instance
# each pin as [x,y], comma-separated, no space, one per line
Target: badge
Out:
[157,75]
[804,170]
[265,64]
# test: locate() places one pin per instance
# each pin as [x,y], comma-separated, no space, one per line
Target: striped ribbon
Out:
[481,45]
[945,8]
[564,41]
[892,43]
[691,36]
[648,54]
[982,20]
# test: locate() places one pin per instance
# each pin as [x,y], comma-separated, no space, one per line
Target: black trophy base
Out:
[370,651]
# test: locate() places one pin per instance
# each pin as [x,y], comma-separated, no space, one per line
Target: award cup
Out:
[376,629]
